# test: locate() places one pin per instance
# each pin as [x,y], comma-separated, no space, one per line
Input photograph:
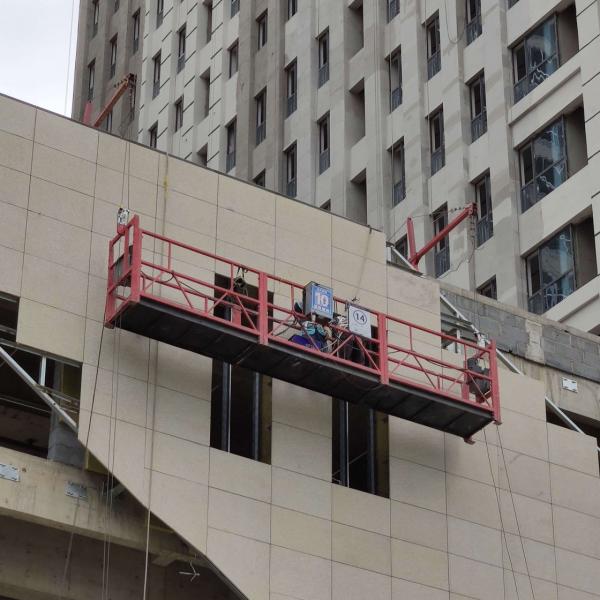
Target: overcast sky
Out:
[34,51]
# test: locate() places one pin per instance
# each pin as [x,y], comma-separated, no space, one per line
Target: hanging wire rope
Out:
[69,55]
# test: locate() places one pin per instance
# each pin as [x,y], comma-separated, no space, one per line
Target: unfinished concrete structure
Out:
[382,110]
[515,515]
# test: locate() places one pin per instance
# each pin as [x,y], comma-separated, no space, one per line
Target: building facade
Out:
[145,498]
[383,110]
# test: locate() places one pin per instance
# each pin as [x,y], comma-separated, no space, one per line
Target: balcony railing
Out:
[235,8]
[230,161]
[261,132]
[290,188]
[180,62]
[398,192]
[434,64]
[441,261]
[485,229]
[535,77]
[479,125]
[155,89]
[550,295]
[292,104]
[473,29]
[396,99]
[543,184]
[393,9]
[323,74]
[438,160]
[324,160]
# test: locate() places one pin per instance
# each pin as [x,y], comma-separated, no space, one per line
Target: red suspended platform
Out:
[174,293]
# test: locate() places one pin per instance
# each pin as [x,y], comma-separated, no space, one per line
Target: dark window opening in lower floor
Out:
[360,448]
[240,420]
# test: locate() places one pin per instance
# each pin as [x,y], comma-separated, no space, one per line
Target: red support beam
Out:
[414,256]
[128,82]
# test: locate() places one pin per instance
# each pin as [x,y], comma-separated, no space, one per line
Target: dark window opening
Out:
[395,77]
[231,146]
[9,312]
[291,76]
[261,116]
[179,114]
[240,402]
[478,108]
[434,52]
[398,174]
[153,136]
[290,171]
[441,253]
[91,79]
[488,289]
[113,56]
[233,60]
[323,47]
[160,9]
[485,219]
[95,16]
[473,20]
[261,24]
[181,49]
[324,156]
[292,8]
[156,75]
[360,448]
[260,179]
[136,31]
[393,8]
[436,141]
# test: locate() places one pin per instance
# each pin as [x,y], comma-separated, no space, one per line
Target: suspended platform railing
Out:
[186,297]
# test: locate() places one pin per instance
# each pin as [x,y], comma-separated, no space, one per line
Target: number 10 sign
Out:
[318,299]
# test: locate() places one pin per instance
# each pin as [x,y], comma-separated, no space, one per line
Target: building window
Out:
[181,49]
[153,136]
[401,247]
[324,159]
[441,254]
[511,3]
[292,8]
[209,20]
[117,4]
[261,25]
[326,206]
[91,79]
[233,59]
[95,16]
[261,116]
[436,141]
[260,179]
[434,53]
[393,8]
[473,20]
[290,171]
[398,176]
[240,416]
[535,58]
[323,58]
[478,108]
[551,272]
[160,9]
[231,145]
[291,77]
[179,114]
[488,289]
[395,76]
[360,448]
[485,222]
[543,163]
[136,31]
[156,75]
[234,9]
[113,56]
[108,122]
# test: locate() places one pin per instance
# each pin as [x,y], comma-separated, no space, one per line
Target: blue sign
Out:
[319,300]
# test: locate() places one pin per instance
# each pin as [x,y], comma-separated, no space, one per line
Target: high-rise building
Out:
[387,109]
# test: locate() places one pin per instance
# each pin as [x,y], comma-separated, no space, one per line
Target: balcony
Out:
[290,188]
[434,64]
[261,132]
[441,260]
[485,229]
[438,160]
[323,74]
[545,183]
[398,192]
[552,294]
[537,76]
[474,29]
[291,104]
[396,98]
[324,161]
[230,161]
[479,125]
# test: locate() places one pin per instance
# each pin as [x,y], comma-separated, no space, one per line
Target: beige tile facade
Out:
[518,510]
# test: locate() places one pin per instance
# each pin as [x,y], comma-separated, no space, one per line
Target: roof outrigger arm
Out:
[38,389]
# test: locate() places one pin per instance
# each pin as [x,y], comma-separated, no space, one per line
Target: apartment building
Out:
[383,110]
[135,467]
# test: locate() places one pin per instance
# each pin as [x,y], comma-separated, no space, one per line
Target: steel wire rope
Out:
[69,54]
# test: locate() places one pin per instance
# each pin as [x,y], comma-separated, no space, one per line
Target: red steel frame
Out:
[401,352]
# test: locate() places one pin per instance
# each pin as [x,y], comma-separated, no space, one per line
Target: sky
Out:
[34,51]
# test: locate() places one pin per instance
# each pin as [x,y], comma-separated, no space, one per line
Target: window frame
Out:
[485,219]
[292,8]
[262,30]
[395,75]
[291,76]
[291,159]
[179,114]
[95,16]
[156,72]
[135,31]
[434,46]
[324,131]
[478,119]
[437,153]
[113,48]
[489,289]
[181,44]
[398,183]
[153,136]
[323,57]
[231,145]
[260,102]
[233,54]
[91,72]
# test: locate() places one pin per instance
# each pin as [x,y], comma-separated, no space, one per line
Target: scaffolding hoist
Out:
[192,299]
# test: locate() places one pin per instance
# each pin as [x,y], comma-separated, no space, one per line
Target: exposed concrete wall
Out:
[456,513]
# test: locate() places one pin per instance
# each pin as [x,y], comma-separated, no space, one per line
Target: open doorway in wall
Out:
[25,419]
[240,420]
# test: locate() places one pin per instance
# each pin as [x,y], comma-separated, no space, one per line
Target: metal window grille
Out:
[479,125]
[434,64]
[442,261]
[398,192]
[261,132]
[544,183]
[235,8]
[155,89]
[393,9]
[290,188]
[292,104]
[323,74]
[485,229]
[230,160]
[396,99]
[180,62]
[324,161]
[474,29]
[437,160]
